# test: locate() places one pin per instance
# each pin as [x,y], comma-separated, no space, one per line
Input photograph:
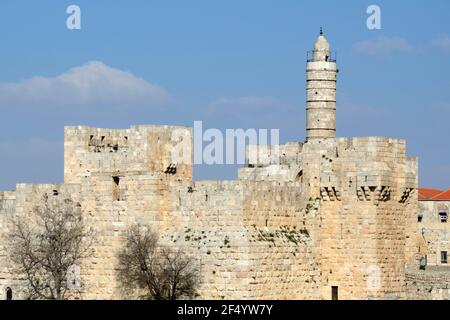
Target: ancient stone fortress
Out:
[332,218]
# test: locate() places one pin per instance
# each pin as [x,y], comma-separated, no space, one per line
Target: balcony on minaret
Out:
[315,55]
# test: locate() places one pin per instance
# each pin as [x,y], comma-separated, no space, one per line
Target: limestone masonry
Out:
[333,218]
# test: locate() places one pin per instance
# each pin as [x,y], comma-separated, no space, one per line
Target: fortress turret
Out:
[321,73]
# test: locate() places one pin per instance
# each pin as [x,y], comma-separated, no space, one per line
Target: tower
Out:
[321,74]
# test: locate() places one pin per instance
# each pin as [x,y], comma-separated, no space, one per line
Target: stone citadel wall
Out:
[430,284]
[331,213]
[367,191]
[245,235]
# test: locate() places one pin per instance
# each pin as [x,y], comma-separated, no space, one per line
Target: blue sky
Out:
[232,64]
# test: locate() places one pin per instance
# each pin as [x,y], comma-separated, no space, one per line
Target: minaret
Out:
[321,72]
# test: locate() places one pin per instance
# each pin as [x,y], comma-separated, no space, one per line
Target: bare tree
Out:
[156,272]
[46,245]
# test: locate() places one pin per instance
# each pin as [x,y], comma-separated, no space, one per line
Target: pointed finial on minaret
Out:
[321,31]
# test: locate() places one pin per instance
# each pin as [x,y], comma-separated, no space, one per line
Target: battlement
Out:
[367,161]
[264,155]
[142,148]
[65,189]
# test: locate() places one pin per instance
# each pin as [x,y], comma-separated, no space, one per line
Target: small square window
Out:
[444,257]
[443,217]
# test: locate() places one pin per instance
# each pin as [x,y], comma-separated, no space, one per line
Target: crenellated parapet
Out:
[162,149]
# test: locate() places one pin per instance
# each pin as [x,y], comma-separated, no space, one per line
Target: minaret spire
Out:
[321,71]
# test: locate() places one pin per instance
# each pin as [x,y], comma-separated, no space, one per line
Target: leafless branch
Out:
[46,244]
[160,273]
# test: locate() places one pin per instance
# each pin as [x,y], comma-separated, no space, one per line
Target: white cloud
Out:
[443,42]
[383,46]
[90,85]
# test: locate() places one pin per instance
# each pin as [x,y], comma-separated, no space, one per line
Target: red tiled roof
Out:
[428,194]
[443,196]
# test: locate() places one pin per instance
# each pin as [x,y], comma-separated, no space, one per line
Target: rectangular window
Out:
[420,217]
[443,217]
[334,293]
[444,257]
